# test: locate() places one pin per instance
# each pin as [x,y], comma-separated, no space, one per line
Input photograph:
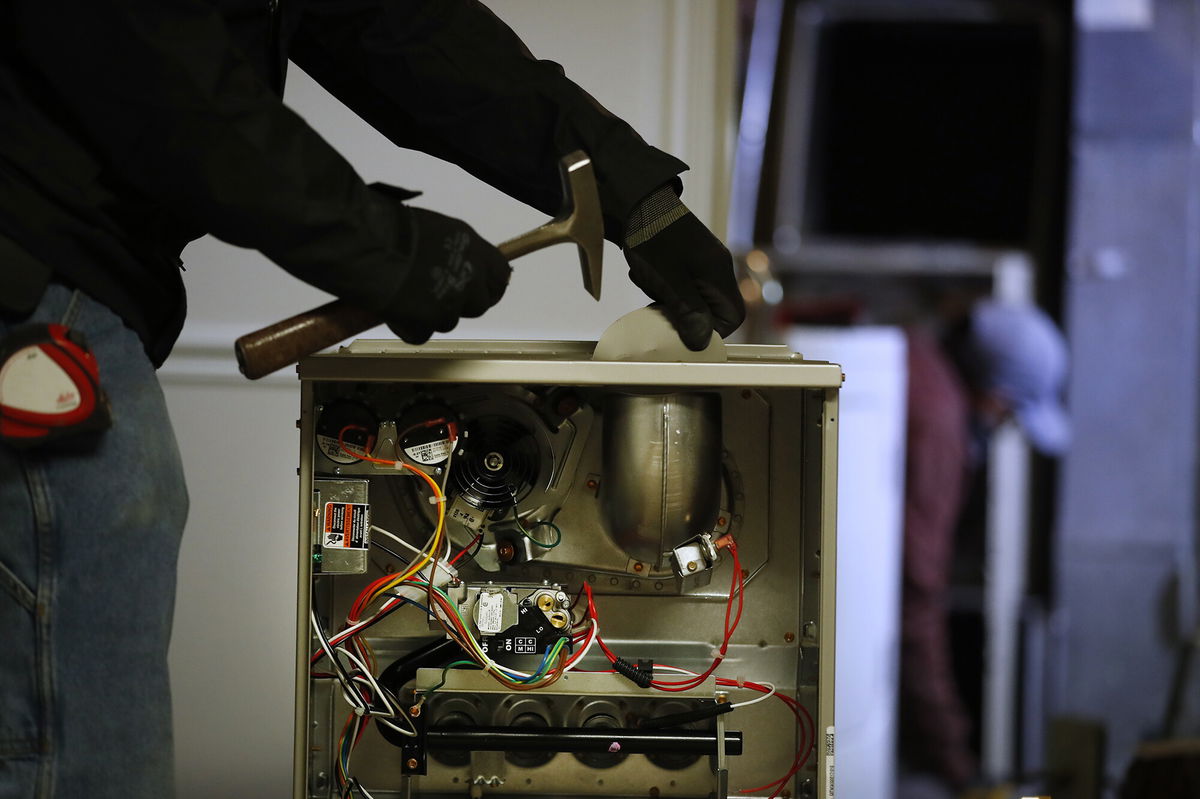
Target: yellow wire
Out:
[426,556]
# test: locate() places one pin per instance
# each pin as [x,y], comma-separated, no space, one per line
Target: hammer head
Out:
[582,217]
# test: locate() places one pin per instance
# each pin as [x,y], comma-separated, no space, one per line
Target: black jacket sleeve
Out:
[175,110]
[447,77]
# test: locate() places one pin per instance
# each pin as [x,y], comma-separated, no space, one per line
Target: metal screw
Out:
[493,461]
[654,792]
[592,484]
[789,637]
[506,551]
[414,711]
[412,764]
[638,567]
[692,566]
[721,521]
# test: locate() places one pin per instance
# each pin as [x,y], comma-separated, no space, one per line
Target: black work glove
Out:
[453,273]
[690,273]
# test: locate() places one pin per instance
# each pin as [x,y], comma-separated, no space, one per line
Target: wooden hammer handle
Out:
[283,343]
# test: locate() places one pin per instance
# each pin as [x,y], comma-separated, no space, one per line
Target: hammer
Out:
[283,343]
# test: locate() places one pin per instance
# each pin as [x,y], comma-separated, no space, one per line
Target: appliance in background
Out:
[914,136]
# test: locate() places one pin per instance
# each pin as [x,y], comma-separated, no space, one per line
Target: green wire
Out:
[536,525]
[446,671]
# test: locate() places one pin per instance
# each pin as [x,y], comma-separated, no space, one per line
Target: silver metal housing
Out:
[774,492]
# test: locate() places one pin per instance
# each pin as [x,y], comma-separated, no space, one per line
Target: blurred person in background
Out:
[1002,362]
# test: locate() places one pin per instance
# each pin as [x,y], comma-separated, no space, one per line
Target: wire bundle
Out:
[353,661]
[694,679]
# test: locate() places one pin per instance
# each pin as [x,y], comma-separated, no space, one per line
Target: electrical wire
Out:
[557,532]
[694,679]
[370,700]
[476,542]
[428,553]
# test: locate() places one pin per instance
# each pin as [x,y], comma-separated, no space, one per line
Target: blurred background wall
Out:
[899,161]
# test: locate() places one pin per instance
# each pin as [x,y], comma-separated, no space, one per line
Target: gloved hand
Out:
[690,272]
[454,273]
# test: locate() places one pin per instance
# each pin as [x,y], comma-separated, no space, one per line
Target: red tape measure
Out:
[49,386]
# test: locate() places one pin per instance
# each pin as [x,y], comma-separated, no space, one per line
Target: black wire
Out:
[391,552]
[478,546]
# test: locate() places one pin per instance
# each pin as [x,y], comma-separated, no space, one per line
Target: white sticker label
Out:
[429,453]
[489,613]
[466,515]
[330,447]
[829,749]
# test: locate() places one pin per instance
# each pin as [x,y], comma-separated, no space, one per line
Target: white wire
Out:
[593,634]
[365,673]
[375,528]
[759,698]
[351,698]
[366,794]
[754,701]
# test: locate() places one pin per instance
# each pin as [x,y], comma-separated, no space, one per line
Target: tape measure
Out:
[49,386]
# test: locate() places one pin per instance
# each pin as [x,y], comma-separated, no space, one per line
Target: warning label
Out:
[345,525]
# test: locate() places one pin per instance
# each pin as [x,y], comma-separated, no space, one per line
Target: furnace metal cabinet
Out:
[561,477]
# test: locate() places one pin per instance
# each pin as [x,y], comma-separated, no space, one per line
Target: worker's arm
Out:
[449,78]
[175,111]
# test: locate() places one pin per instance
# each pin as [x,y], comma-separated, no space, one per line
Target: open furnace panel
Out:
[528,573]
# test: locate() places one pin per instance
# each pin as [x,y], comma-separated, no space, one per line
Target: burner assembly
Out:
[530,571]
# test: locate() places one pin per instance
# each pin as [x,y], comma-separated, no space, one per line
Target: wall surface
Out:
[665,66]
[1125,568]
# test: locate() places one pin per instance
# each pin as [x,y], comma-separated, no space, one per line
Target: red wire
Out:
[463,551]
[804,720]
[737,584]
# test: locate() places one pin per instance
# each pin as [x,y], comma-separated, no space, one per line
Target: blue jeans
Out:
[88,548]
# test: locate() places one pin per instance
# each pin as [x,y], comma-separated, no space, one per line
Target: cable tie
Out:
[717,652]
[436,500]
[741,681]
